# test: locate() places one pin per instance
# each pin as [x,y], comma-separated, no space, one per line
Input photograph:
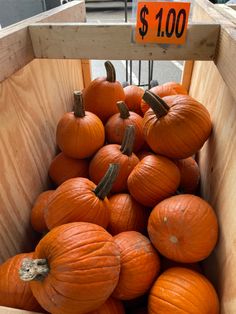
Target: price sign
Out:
[162,22]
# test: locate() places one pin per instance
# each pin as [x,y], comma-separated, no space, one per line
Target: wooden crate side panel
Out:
[8,310]
[218,176]
[31,103]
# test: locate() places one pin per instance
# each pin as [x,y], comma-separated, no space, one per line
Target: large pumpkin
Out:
[133,98]
[183,228]
[14,292]
[75,268]
[79,199]
[181,290]
[80,133]
[177,127]
[153,179]
[111,306]
[102,94]
[140,264]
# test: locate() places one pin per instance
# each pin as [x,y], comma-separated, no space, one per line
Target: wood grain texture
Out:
[31,102]
[187,74]
[15,42]
[8,310]
[86,68]
[114,41]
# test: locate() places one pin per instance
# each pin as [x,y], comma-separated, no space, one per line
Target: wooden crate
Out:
[41,64]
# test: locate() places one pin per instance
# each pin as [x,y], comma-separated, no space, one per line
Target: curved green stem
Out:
[128,140]
[79,111]
[157,104]
[111,73]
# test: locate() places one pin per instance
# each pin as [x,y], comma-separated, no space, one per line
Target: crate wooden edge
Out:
[8,310]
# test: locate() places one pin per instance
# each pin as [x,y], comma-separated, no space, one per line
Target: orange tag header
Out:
[162,22]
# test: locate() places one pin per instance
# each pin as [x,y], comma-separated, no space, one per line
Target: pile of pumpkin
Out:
[123,221]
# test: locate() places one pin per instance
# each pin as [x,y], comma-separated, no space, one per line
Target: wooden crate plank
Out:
[8,310]
[114,41]
[187,74]
[15,43]
[86,68]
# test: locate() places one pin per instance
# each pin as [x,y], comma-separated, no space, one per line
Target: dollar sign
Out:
[144,29]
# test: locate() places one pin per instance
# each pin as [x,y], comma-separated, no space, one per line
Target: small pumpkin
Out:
[111,306]
[183,228]
[63,168]
[133,98]
[126,214]
[153,179]
[121,154]
[70,272]
[80,133]
[37,213]
[140,264]
[116,125]
[181,290]
[177,127]
[102,94]
[79,199]
[167,89]
[14,292]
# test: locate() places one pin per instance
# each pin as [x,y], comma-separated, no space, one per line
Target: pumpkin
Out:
[189,175]
[14,292]
[177,127]
[133,98]
[153,179]
[38,210]
[183,228]
[79,199]
[75,268]
[111,306]
[102,94]
[143,153]
[63,168]
[181,290]
[118,154]
[80,133]
[140,264]
[116,125]
[167,89]
[126,214]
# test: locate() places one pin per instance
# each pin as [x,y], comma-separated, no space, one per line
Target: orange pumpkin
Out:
[153,179]
[102,94]
[181,290]
[140,264]
[38,210]
[116,125]
[183,228]
[133,98]
[71,272]
[167,89]
[126,214]
[79,199]
[177,127]
[14,292]
[80,133]
[111,306]
[118,154]
[63,168]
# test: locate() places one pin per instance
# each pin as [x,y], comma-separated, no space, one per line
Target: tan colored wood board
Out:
[8,310]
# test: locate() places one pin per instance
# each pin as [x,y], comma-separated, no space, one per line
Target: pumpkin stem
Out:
[79,111]
[124,110]
[111,73]
[104,186]
[157,104]
[128,140]
[33,269]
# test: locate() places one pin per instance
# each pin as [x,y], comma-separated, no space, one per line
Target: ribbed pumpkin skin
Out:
[13,291]
[74,200]
[111,306]
[183,228]
[63,168]
[133,98]
[126,214]
[38,211]
[153,179]
[182,131]
[84,264]
[115,129]
[101,96]
[80,137]
[111,154]
[167,89]
[181,290]
[189,175]
[140,264]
